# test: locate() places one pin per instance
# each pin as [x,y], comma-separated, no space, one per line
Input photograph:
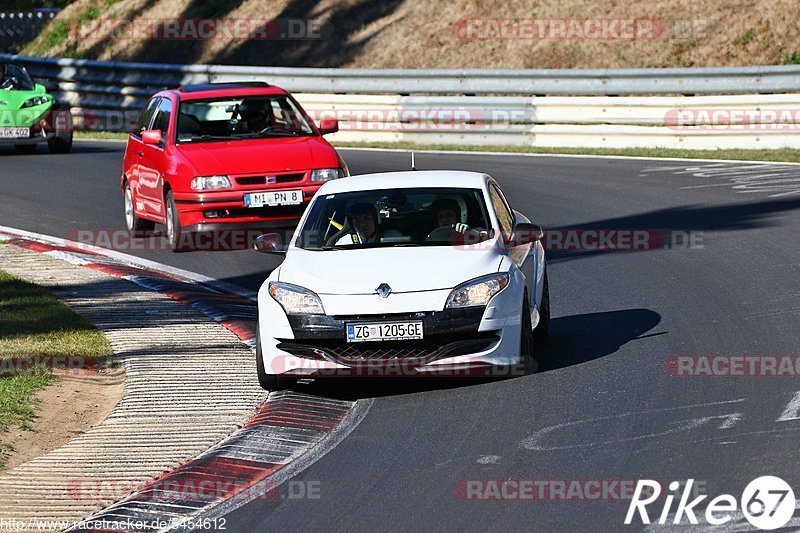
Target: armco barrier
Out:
[477,107]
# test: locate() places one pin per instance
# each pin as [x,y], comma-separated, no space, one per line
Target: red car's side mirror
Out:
[151,137]
[328,126]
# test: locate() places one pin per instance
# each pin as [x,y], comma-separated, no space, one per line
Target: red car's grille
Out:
[252,180]
[262,180]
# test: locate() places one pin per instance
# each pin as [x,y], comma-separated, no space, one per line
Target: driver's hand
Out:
[461,227]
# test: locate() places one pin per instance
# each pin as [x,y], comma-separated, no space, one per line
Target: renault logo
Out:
[384,290]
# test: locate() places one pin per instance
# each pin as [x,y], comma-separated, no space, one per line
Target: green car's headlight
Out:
[36,100]
[477,291]
[296,300]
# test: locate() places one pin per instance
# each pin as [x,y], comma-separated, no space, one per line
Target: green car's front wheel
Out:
[61,143]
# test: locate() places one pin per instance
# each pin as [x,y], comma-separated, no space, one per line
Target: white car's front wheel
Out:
[269,382]
[529,363]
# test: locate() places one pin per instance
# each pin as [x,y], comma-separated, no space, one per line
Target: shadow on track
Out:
[77,148]
[692,218]
[574,340]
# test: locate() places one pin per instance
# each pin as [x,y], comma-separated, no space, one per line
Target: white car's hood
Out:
[403,269]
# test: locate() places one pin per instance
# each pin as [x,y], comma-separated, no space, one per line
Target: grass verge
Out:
[783,155]
[779,155]
[35,324]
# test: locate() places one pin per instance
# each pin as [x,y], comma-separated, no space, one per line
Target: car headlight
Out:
[36,100]
[477,291]
[296,300]
[204,183]
[326,174]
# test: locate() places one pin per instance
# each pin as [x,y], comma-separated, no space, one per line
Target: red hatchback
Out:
[211,157]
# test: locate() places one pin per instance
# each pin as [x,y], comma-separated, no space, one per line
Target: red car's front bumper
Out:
[225,210]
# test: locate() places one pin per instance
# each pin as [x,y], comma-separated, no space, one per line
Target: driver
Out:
[6,80]
[448,213]
[365,224]
[254,113]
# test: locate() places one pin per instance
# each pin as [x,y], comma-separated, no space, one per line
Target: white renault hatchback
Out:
[403,273]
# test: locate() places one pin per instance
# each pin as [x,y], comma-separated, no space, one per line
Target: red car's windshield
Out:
[240,118]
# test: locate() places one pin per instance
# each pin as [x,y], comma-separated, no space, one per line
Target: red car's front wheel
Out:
[174,228]
[137,227]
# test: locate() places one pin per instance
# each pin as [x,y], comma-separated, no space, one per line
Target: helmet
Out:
[446,203]
[359,208]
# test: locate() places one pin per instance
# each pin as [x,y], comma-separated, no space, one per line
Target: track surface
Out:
[603,408]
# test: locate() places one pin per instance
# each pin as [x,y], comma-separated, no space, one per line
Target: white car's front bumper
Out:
[495,330]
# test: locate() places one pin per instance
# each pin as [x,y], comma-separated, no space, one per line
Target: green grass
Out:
[104,135]
[780,155]
[33,323]
[57,33]
[745,38]
[791,59]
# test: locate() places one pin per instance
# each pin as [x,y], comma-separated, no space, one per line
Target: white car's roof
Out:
[406,180]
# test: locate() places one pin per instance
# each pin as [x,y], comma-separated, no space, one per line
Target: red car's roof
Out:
[225,90]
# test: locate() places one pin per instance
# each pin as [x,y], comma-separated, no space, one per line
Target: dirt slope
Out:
[454,34]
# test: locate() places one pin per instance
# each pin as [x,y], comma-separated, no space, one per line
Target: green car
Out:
[29,115]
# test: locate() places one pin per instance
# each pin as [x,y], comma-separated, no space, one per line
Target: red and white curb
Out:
[290,432]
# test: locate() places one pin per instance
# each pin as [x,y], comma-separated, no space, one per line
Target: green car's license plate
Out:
[15,133]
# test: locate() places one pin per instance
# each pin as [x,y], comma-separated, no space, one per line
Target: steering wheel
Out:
[446,234]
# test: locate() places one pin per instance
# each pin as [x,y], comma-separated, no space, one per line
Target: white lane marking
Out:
[132,260]
[778,179]
[351,420]
[728,421]
[489,459]
[792,410]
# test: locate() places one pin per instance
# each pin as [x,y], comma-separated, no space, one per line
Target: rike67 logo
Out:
[767,502]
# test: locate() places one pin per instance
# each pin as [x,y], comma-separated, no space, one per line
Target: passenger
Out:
[365,225]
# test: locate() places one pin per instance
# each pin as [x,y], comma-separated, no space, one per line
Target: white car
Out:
[403,273]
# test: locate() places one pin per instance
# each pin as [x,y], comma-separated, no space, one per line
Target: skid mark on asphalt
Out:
[774,179]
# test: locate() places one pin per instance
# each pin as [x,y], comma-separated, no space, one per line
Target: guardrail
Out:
[474,106]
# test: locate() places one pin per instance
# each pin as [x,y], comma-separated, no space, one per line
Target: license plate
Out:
[386,331]
[15,133]
[260,199]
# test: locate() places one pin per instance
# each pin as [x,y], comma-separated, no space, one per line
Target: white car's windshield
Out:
[396,217]
[240,118]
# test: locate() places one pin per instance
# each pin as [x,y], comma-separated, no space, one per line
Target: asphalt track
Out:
[603,406]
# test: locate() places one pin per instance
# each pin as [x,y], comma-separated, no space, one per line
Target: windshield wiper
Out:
[207,138]
[258,134]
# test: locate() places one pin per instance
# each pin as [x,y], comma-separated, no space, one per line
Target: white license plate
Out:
[260,199]
[15,133]
[384,331]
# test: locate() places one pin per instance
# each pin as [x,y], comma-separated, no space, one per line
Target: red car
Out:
[211,157]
